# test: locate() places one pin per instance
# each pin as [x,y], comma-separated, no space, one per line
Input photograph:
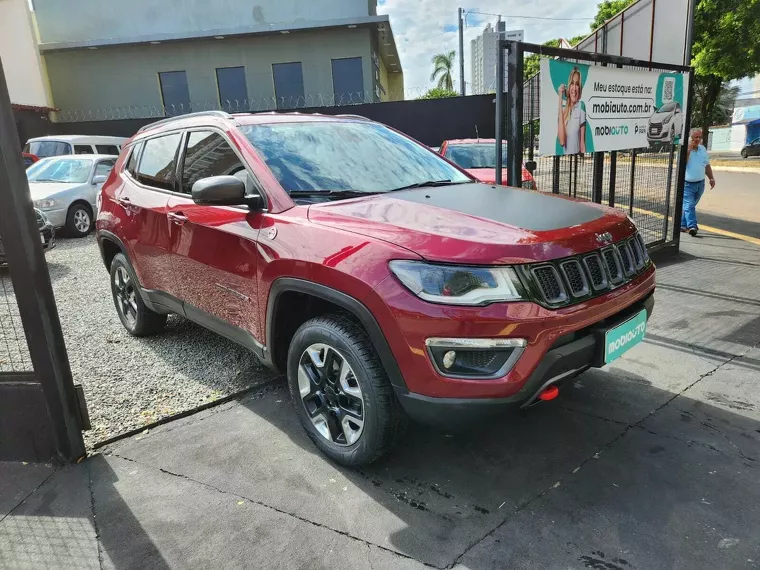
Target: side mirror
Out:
[530,166]
[99,179]
[222,191]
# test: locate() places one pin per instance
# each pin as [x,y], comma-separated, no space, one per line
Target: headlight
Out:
[452,285]
[44,204]
[667,119]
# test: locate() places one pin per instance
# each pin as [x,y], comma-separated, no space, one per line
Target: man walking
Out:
[697,164]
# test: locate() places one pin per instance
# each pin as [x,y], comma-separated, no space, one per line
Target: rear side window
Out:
[107,149]
[44,149]
[158,162]
[82,149]
[133,159]
[207,154]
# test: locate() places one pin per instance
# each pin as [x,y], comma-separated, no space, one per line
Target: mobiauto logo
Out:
[610,131]
[625,338]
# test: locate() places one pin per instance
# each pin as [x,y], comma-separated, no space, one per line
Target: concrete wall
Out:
[81,20]
[18,52]
[123,76]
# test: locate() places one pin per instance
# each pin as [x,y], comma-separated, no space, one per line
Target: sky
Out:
[423,28]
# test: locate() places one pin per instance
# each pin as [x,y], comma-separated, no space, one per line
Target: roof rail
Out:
[220,114]
[354,117]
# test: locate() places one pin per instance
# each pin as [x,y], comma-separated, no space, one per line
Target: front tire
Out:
[744,154]
[341,393]
[79,220]
[138,319]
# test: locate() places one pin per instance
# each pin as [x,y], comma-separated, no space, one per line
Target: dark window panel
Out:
[174,92]
[158,162]
[348,81]
[288,85]
[233,90]
[208,154]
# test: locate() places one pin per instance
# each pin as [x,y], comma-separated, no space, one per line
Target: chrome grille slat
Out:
[595,270]
[613,265]
[626,258]
[638,257]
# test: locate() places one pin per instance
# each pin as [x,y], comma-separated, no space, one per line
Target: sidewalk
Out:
[649,463]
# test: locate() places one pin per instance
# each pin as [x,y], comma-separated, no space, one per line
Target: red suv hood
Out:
[478,224]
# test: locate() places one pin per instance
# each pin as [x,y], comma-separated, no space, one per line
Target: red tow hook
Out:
[548,393]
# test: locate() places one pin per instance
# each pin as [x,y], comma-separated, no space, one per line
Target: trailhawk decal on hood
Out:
[524,209]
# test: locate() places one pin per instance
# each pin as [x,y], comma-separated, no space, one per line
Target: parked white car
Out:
[44,147]
[666,123]
[65,188]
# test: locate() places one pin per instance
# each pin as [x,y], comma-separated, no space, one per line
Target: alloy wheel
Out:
[331,394]
[125,294]
[82,221]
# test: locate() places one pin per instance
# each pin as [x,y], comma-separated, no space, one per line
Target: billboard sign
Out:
[586,108]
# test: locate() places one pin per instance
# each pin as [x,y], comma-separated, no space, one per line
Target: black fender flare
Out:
[353,306]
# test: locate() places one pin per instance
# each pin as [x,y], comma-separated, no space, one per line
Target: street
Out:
[734,204]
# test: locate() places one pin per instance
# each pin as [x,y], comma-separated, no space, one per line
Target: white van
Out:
[43,147]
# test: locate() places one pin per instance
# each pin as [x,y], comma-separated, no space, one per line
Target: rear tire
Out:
[347,405]
[138,319]
[79,220]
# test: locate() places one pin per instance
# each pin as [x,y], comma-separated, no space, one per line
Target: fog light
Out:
[449,358]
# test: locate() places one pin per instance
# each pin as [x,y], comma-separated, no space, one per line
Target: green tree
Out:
[438,93]
[443,64]
[722,110]
[607,9]
[723,51]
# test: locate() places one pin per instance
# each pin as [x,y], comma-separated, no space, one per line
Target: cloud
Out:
[424,28]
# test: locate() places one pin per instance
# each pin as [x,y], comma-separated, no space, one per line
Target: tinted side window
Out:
[133,158]
[82,149]
[107,149]
[207,154]
[158,162]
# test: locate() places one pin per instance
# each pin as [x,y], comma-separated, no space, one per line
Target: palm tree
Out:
[443,63]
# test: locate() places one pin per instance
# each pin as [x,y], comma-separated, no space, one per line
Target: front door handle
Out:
[177,217]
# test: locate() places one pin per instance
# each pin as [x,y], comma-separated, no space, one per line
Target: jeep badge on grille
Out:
[604,238]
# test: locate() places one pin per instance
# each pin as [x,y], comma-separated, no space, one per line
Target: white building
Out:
[22,64]
[483,57]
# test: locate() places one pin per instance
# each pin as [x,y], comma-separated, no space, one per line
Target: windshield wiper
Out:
[429,184]
[44,180]
[331,193]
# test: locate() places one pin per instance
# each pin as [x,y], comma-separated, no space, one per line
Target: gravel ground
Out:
[130,382]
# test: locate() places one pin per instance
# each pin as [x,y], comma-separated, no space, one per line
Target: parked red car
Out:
[383,280]
[478,157]
[29,159]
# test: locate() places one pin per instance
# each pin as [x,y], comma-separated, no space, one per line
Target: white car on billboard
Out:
[666,123]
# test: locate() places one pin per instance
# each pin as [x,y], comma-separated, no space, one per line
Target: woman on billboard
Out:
[571,127]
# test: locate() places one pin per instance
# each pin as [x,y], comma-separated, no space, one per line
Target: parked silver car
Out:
[65,189]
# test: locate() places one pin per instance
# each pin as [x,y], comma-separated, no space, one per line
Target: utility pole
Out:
[690,32]
[461,52]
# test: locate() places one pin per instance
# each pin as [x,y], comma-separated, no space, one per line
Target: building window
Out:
[233,91]
[348,81]
[174,92]
[288,85]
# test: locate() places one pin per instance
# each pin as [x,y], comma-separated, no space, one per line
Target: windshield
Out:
[60,170]
[334,156]
[475,155]
[667,108]
[47,148]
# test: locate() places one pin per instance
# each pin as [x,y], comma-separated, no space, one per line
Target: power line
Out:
[530,17]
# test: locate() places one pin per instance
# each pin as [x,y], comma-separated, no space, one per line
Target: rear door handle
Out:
[177,217]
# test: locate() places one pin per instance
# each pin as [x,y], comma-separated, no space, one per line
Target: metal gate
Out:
[646,183]
[42,414]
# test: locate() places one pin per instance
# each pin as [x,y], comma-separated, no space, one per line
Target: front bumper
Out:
[57,217]
[659,133]
[569,356]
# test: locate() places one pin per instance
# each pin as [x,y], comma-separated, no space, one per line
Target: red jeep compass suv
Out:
[385,281]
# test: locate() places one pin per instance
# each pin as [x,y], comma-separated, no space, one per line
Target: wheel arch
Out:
[282,287]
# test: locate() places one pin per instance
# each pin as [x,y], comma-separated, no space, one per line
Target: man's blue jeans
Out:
[692,192]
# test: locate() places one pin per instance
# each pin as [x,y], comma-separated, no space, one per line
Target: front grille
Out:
[481,359]
[594,268]
[655,129]
[575,278]
[626,257]
[614,270]
[549,283]
[568,280]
